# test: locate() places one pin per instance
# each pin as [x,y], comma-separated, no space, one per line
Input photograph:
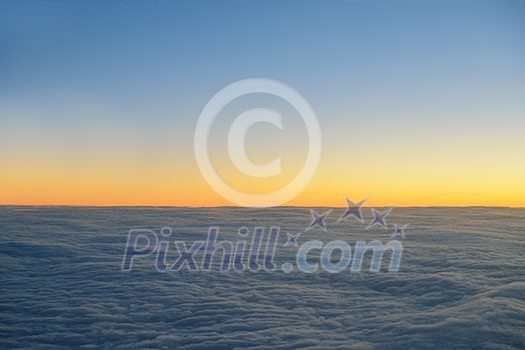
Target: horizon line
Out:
[240,207]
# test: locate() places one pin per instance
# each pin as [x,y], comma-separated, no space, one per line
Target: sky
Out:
[419,103]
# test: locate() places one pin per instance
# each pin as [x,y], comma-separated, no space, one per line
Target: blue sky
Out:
[149,53]
[374,71]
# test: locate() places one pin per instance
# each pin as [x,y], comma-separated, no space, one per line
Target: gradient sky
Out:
[419,102]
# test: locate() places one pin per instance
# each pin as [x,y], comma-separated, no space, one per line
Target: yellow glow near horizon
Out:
[485,171]
[433,182]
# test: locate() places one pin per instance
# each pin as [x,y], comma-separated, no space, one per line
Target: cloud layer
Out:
[461,284]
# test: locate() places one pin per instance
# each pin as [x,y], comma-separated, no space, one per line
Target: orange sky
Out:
[402,177]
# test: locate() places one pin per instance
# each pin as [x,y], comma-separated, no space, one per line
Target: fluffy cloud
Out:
[460,284]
